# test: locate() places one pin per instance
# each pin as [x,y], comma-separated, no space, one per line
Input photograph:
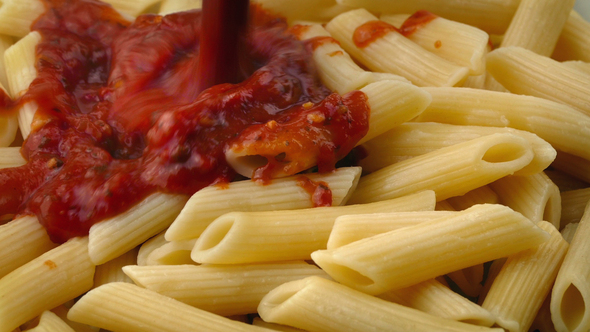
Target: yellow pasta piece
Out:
[50,322]
[173,6]
[45,282]
[148,309]
[403,257]
[573,203]
[574,41]
[16,16]
[112,271]
[525,280]
[317,304]
[449,171]
[11,157]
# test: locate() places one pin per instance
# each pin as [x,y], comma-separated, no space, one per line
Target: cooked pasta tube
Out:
[542,322]
[16,16]
[249,237]
[535,196]
[578,65]
[436,299]
[449,171]
[62,312]
[413,139]
[481,195]
[50,322]
[391,103]
[113,237]
[569,231]
[47,281]
[22,240]
[172,253]
[148,309]
[112,271]
[578,167]
[8,125]
[131,7]
[573,203]
[492,16]
[281,194]
[537,24]
[257,321]
[475,81]
[570,297]
[524,282]
[323,10]
[468,280]
[149,246]
[5,42]
[11,157]
[173,6]
[317,304]
[20,71]
[404,257]
[574,41]
[336,68]
[493,272]
[459,43]
[524,72]
[225,290]
[563,127]
[351,228]
[373,52]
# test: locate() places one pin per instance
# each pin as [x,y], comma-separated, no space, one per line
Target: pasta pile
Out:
[469,214]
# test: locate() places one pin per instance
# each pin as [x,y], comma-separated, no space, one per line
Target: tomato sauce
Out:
[122,115]
[370,31]
[416,21]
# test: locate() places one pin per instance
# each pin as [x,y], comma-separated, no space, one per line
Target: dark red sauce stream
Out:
[121,114]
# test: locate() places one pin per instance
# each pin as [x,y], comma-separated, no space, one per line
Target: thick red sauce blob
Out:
[319,191]
[121,115]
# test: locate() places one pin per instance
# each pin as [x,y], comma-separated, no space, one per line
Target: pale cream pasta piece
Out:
[564,181]
[449,171]
[317,304]
[459,43]
[11,157]
[468,280]
[16,16]
[47,281]
[569,231]
[574,42]
[5,42]
[391,103]
[563,127]
[411,61]
[20,71]
[257,321]
[50,322]
[436,299]
[336,68]
[225,290]
[582,66]
[535,196]
[149,246]
[112,271]
[172,253]
[475,81]
[403,257]
[148,309]
[573,203]
[62,312]
[492,16]
[173,6]
[113,237]
[520,288]
[281,194]
[413,139]
[307,10]
[570,297]
[537,25]
[351,228]
[22,240]
[524,72]
[250,237]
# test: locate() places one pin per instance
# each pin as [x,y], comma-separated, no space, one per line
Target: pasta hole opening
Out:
[215,233]
[504,152]
[246,165]
[573,307]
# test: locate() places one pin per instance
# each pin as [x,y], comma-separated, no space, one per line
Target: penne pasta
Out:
[148,309]
[525,280]
[571,292]
[225,290]
[573,203]
[373,52]
[246,237]
[483,160]
[47,281]
[306,303]
[517,68]
[400,258]
[16,16]
[11,157]
[281,194]
[574,41]
[172,253]
[50,322]
[112,271]
[131,7]
[173,6]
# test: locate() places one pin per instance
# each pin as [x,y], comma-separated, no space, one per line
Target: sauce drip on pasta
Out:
[370,31]
[121,116]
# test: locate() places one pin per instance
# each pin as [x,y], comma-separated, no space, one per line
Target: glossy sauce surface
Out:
[121,115]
